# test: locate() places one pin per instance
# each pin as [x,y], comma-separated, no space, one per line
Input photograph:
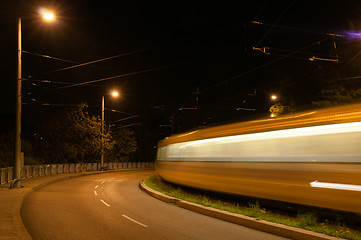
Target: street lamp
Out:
[114,94]
[49,16]
[46,14]
[17,151]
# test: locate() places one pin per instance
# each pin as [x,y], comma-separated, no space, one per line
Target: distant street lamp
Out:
[114,94]
[17,151]
[273,108]
[273,97]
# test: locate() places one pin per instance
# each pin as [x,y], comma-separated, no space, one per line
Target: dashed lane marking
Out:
[106,204]
[135,221]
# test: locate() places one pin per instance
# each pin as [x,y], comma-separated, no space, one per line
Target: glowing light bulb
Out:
[48,16]
[115,94]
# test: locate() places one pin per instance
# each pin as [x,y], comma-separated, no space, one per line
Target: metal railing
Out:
[27,171]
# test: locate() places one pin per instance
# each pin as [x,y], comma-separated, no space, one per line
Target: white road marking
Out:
[106,204]
[339,186]
[96,186]
[95,192]
[131,219]
[102,182]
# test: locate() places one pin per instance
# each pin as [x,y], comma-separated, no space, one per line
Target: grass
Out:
[308,220]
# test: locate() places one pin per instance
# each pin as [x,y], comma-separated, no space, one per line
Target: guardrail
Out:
[27,171]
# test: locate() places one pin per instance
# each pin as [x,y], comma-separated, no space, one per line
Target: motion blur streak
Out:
[276,158]
[339,186]
[295,132]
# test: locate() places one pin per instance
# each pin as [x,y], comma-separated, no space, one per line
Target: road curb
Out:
[261,225]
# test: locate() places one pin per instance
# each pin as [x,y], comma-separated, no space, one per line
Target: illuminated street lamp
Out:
[17,151]
[49,16]
[273,97]
[46,14]
[114,94]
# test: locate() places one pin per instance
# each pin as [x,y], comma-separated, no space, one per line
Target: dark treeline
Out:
[74,136]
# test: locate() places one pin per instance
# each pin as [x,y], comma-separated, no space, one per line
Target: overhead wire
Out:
[260,10]
[138,72]
[123,119]
[296,29]
[257,68]
[102,59]
[124,126]
[46,81]
[47,90]
[274,24]
[50,57]
[261,66]
[51,104]
[145,49]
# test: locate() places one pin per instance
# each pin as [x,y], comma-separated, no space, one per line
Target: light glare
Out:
[115,94]
[48,16]
[353,34]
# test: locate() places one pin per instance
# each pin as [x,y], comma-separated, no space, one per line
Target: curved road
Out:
[111,206]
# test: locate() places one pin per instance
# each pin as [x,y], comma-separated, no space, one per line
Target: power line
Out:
[50,57]
[260,10]
[117,111]
[297,29]
[274,24]
[103,59]
[137,72]
[46,81]
[124,126]
[51,104]
[123,119]
[145,49]
[262,66]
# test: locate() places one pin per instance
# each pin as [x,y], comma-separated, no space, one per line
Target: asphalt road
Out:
[111,206]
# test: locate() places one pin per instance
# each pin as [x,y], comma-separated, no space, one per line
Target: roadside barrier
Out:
[27,171]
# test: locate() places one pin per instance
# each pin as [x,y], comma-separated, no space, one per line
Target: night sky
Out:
[161,52]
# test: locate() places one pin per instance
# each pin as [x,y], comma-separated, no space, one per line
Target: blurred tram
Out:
[311,158]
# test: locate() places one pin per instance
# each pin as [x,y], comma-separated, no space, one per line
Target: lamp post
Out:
[17,150]
[114,94]
[17,153]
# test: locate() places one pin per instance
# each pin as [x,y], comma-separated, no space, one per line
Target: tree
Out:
[340,83]
[124,144]
[6,149]
[338,94]
[278,109]
[73,136]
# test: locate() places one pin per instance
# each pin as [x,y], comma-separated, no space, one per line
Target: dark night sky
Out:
[167,49]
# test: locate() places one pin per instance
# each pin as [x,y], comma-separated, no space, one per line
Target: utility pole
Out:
[17,151]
